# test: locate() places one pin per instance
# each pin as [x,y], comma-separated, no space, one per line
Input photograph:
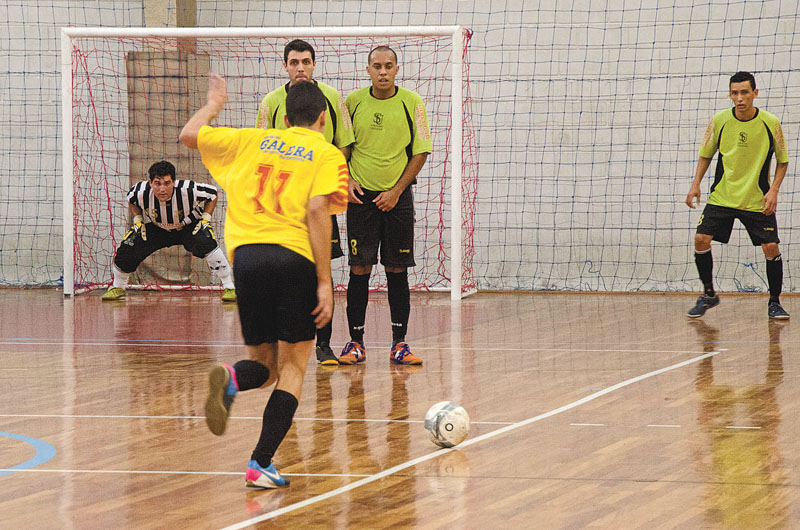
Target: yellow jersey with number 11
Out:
[268,177]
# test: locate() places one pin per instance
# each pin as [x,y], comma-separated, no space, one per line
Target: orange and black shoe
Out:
[353,353]
[401,354]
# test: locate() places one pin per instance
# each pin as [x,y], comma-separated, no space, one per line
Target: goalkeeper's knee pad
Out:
[203,243]
[126,259]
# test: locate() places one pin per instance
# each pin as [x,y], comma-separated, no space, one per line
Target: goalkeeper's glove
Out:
[204,223]
[136,228]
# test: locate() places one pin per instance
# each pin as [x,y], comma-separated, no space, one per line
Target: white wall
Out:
[588,116]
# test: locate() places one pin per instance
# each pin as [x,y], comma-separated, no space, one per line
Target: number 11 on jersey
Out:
[264,171]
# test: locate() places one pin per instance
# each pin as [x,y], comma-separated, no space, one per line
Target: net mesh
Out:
[131,97]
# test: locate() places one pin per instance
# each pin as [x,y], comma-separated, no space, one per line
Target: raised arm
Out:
[216,99]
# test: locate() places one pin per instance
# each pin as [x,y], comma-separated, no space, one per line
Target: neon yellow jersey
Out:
[338,129]
[269,177]
[388,133]
[745,150]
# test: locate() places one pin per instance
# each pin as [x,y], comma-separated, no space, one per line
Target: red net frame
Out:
[131,96]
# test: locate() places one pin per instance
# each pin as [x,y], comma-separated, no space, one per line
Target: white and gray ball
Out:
[447,424]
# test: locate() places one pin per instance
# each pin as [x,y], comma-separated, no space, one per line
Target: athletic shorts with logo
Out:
[369,230]
[717,221]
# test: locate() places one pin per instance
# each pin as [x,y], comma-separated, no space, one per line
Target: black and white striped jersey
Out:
[189,198]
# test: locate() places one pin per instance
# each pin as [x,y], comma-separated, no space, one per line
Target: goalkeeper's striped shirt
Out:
[184,208]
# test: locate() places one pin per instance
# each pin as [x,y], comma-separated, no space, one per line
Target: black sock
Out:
[324,333]
[250,374]
[399,303]
[278,416]
[775,277]
[705,268]
[357,298]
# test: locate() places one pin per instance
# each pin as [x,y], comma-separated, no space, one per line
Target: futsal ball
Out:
[447,424]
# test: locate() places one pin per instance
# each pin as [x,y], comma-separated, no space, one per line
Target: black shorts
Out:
[717,221]
[134,250]
[276,291]
[336,244]
[368,228]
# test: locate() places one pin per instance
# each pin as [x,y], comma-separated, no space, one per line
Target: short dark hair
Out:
[304,104]
[298,45]
[161,169]
[740,77]
[381,49]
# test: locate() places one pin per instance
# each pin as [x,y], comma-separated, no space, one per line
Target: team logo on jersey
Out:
[377,118]
[345,114]
[422,123]
[709,134]
[779,141]
[742,137]
[274,144]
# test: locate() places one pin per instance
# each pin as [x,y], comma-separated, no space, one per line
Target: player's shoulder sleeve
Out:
[133,193]
[218,147]
[331,178]
[344,126]
[353,100]
[774,125]
[263,111]
[422,131]
[204,191]
[710,143]
[266,111]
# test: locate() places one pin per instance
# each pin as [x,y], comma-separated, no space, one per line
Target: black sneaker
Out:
[704,303]
[325,355]
[776,312]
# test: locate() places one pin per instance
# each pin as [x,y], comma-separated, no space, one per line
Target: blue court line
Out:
[44,452]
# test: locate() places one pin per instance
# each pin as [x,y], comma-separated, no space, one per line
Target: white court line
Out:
[259,418]
[472,441]
[666,426]
[161,472]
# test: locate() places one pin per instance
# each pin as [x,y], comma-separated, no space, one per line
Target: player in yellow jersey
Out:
[282,187]
[299,62]
[746,138]
[392,143]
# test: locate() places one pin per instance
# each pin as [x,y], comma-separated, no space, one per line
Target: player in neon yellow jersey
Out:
[392,143]
[746,138]
[299,61]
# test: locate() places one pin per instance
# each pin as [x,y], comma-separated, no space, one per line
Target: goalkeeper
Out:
[180,214]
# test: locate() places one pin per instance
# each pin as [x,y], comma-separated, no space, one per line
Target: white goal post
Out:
[460,205]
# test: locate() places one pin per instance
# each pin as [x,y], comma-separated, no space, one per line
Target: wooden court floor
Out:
[589,411]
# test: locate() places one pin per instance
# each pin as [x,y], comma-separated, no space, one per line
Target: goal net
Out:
[128,92]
